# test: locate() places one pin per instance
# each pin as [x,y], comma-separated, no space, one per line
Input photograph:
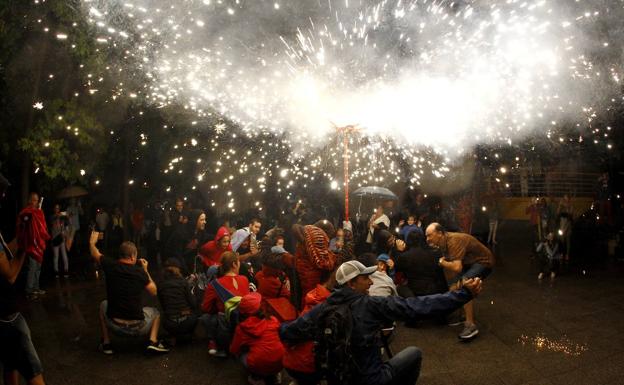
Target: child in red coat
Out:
[256,341]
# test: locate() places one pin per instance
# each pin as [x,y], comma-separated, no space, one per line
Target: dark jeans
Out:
[17,351]
[403,368]
[181,325]
[217,329]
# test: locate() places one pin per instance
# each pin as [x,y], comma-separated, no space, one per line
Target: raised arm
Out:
[151,285]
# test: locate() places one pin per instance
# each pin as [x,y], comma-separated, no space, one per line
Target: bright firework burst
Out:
[425,79]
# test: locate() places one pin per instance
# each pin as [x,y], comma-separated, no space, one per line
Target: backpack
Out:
[230,303]
[332,345]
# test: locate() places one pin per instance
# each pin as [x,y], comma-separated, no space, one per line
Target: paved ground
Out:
[569,331]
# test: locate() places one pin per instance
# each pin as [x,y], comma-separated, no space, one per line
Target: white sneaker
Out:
[552,275]
[540,276]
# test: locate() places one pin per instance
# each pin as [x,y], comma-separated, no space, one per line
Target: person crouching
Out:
[256,341]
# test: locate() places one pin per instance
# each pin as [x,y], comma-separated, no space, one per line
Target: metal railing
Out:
[522,183]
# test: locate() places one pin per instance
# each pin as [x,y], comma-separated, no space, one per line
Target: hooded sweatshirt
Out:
[261,338]
[211,251]
[300,357]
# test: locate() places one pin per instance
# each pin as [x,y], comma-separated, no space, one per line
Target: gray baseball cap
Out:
[349,270]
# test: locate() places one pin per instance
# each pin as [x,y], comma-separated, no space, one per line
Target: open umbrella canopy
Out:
[72,192]
[375,192]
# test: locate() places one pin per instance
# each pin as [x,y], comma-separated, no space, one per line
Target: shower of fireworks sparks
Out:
[561,345]
[440,74]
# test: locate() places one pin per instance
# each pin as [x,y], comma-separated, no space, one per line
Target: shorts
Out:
[471,271]
[139,329]
[17,351]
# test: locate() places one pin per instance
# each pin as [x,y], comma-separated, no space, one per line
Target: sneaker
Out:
[552,275]
[469,332]
[106,348]
[39,292]
[157,347]
[212,347]
[540,276]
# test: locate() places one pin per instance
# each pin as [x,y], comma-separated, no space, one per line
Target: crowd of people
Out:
[318,300]
[254,296]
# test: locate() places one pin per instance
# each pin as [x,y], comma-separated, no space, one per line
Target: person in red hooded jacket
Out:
[211,251]
[257,342]
[299,359]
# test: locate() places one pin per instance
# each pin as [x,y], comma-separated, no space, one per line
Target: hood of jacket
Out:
[254,326]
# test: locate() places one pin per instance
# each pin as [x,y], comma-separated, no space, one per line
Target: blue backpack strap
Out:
[223,293]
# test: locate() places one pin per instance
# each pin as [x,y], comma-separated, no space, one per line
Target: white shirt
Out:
[382,219]
[383,285]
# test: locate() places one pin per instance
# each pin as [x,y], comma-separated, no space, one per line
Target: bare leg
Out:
[154,330]
[469,310]
[105,335]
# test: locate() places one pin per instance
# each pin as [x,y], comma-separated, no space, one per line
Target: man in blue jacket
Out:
[369,315]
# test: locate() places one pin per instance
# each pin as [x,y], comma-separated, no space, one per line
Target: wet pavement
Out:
[566,331]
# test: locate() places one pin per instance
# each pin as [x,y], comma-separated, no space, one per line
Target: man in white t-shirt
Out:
[378,221]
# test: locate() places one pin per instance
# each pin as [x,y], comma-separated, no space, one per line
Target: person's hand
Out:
[94,238]
[473,285]
[390,264]
[400,245]
[143,263]
[401,222]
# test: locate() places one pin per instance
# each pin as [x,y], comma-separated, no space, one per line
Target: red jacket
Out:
[211,251]
[32,233]
[300,357]
[237,285]
[261,337]
[312,257]
[270,285]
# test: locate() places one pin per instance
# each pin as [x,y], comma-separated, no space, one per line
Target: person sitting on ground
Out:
[408,227]
[383,285]
[256,341]
[214,320]
[299,358]
[549,254]
[211,251]
[177,301]
[419,265]
[122,313]
[367,366]
[464,257]
[272,280]
[17,352]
